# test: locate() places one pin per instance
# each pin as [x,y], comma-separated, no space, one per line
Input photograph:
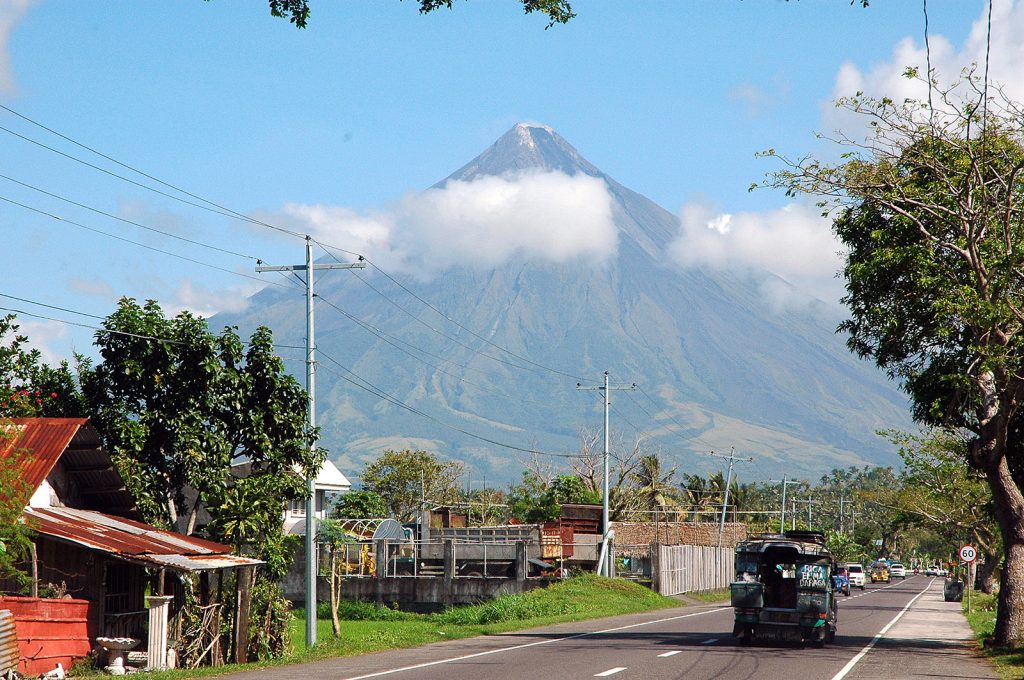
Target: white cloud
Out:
[205,301]
[481,223]
[41,336]
[92,287]
[886,78]
[794,242]
[11,12]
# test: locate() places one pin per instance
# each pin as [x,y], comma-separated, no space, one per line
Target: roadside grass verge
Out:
[364,628]
[711,596]
[982,619]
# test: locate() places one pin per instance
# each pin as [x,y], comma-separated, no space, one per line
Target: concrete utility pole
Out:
[842,516]
[785,481]
[309,268]
[605,561]
[810,502]
[728,482]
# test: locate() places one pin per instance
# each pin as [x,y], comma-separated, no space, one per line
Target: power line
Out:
[216,208]
[100,328]
[127,221]
[328,249]
[135,243]
[365,385]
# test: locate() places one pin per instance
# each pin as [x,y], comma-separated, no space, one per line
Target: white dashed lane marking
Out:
[672,653]
[610,671]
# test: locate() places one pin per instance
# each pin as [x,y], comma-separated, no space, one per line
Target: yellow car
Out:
[880,572]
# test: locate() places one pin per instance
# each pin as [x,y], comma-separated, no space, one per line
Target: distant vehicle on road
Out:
[880,572]
[855,572]
[931,570]
[841,580]
[897,570]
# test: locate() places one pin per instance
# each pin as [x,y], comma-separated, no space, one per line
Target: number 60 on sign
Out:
[968,553]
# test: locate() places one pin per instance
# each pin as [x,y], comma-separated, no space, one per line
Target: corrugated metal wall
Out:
[689,568]
[9,654]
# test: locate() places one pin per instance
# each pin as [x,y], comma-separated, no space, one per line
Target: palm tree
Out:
[653,486]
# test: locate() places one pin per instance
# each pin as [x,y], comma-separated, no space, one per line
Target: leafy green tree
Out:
[29,387]
[178,406]
[408,479]
[930,212]
[15,537]
[939,491]
[361,504]
[534,501]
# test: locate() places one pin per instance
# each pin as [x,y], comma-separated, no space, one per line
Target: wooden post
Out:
[35,568]
[243,600]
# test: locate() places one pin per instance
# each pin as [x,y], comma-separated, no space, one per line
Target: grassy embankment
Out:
[982,618]
[368,629]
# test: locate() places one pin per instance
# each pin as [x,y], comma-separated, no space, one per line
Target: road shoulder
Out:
[932,639]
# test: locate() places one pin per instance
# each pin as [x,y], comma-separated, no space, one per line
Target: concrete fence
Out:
[679,569]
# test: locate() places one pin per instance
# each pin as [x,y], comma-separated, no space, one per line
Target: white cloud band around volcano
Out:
[548,216]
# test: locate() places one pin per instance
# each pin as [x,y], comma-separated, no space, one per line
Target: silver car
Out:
[897,570]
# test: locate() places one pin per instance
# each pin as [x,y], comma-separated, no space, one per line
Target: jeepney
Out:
[784,589]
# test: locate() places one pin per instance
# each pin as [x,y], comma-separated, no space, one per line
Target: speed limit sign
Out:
[968,553]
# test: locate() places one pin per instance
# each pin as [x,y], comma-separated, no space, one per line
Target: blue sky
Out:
[374,102]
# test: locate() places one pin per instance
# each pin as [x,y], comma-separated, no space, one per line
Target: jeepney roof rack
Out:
[806,536]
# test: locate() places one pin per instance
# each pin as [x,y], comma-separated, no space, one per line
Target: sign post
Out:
[968,554]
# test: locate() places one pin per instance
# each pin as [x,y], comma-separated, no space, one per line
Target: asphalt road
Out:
[886,631]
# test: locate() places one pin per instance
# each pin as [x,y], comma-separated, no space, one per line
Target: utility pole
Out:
[810,501]
[309,268]
[785,481]
[732,458]
[603,567]
[842,516]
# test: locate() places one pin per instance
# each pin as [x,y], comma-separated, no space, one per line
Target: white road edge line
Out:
[860,655]
[610,671]
[672,653]
[532,644]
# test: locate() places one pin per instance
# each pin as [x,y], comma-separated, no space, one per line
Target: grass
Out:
[368,629]
[982,619]
[711,595]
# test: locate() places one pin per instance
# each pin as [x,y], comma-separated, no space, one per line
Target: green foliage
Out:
[269,622]
[558,11]
[362,504]
[15,540]
[30,388]
[405,479]
[178,406]
[534,500]
[844,548]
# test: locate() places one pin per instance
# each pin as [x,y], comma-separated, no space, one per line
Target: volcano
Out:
[496,357]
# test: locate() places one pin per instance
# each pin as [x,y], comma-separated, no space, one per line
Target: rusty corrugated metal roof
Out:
[45,439]
[132,540]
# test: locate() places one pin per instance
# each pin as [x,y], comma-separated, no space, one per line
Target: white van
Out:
[857,577]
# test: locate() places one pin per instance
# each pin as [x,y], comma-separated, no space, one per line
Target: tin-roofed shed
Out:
[88,537]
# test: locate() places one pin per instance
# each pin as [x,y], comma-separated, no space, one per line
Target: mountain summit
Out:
[717,366]
[525,147]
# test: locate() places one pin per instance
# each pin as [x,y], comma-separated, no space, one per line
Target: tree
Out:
[940,492]
[15,541]
[408,479]
[362,504]
[29,387]
[558,11]
[930,210]
[652,485]
[178,406]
